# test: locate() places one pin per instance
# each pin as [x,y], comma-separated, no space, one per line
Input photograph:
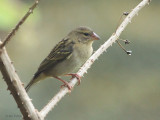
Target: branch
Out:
[10,35]
[16,87]
[10,76]
[91,60]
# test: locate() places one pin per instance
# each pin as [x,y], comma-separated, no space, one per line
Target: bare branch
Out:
[90,61]
[16,87]
[10,35]
[11,77]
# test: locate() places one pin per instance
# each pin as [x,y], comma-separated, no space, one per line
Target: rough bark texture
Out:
[16,87]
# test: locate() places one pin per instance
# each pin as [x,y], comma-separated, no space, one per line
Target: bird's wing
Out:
[60,52]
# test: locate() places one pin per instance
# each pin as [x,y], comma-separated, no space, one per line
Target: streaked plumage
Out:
[67,56]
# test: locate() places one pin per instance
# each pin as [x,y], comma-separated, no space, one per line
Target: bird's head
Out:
[83,35]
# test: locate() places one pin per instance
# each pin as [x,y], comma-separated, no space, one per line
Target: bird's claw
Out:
[66,84]
[77,76]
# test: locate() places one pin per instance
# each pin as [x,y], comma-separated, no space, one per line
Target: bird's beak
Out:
[95,36]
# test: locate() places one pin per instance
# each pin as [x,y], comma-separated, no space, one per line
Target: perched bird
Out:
[67,56]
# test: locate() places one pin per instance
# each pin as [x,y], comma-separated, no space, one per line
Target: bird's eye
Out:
[86,34]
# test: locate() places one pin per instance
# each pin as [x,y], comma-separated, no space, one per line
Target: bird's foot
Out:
[66,84]
[77,76]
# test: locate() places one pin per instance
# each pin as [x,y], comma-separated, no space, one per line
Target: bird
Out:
[67,56]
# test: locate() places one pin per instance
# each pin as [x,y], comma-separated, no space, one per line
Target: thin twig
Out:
[10,35]
[90,61]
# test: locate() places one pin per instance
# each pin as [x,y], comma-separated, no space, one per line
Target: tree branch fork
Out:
[15,85]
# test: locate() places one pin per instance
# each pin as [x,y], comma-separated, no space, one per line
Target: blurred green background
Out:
[117,87]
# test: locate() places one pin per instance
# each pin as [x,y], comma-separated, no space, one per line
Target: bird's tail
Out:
[29,85]
[34,80]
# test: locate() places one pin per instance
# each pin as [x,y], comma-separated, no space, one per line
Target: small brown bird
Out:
[67,56]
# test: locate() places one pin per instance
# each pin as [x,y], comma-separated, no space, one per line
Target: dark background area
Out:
[117,86]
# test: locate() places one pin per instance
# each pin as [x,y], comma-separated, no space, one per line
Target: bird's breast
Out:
[82,53]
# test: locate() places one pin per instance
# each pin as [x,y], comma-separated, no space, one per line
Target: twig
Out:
[90,61]
[10,35]
[10,76]
[16,87]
